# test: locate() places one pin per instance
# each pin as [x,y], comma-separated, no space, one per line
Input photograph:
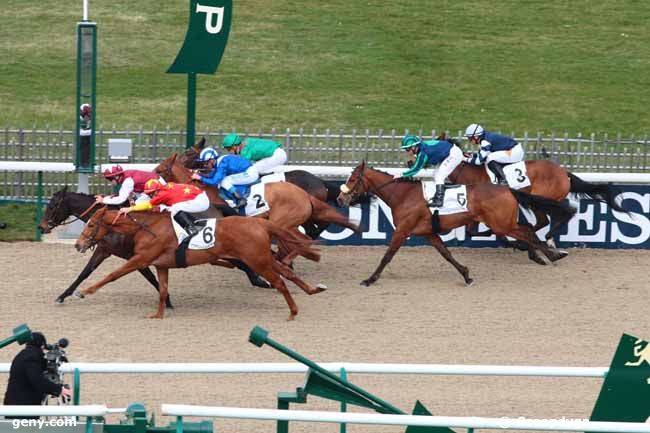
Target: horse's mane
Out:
[397,180]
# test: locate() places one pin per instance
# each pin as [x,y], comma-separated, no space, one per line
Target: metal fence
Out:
[591,152]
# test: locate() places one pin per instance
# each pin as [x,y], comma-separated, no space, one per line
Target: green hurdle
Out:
[21,335]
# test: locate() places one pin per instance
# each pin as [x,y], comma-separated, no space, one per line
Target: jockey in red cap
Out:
[130,181]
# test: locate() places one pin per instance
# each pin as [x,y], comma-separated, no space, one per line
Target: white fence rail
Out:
[403,420]
[64,167]
[87,410]
[335,367]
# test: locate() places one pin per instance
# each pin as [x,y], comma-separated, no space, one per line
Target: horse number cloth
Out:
[516,175]
[455,198]
[203,240]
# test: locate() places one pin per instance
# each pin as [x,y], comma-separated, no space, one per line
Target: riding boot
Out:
[186,222]
[438,197]
[241,201]
[497,169]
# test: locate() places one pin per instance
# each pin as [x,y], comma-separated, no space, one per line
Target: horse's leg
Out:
[97,258]
[148,275]
[326,214]
[131,265]
[399,236]
[255,279]
[163,278]
[444,252]
[525,233]
[276,281]
[287,273]
[471,229]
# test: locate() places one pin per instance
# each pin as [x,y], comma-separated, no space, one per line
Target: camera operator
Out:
[27,382]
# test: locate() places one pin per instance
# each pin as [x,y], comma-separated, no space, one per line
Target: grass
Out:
[20,219]
[576,66]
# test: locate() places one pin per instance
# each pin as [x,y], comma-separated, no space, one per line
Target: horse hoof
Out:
[155,316]
[59,301]
[469,283]
[77,294]
[291,317]
[561,254]
[321,286]
[365,283]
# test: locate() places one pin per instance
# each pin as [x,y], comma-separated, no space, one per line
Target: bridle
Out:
[52,224]
[360,181]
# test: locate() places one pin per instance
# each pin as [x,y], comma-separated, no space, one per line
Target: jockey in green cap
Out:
[433,152]
[263,153]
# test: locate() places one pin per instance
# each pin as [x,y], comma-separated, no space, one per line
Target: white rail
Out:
[633,178]
[414,420]
[88,410]
[363,368]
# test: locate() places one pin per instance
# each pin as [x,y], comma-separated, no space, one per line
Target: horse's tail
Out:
[600,192]
[295,244]
[556,209]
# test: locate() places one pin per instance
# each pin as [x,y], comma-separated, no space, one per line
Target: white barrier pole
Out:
[403,420]
[87,410]
[335,367]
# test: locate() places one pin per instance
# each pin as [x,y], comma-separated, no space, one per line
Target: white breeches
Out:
[266,165]
[243,178]
[140,197]
[199,203]
[448,165]
[515,154]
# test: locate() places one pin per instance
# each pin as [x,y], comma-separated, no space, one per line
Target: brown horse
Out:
[547,179]
[155,244]
[290,206]
[496,206]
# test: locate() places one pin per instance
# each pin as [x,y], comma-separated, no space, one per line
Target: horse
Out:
[547,179]
[240,238]
[289,205]
[496,206]
[64,204]
[325,191]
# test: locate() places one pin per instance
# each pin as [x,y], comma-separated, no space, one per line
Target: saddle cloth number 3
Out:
[516,175]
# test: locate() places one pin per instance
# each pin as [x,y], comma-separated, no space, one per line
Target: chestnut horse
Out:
[155,244]
[64,204]
[496,206]
[325,191]
[289,205]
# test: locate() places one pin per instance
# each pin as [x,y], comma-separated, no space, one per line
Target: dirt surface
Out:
[517,313]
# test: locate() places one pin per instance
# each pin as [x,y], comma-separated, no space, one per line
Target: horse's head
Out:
[56,212]
[189,158]
[95,230]
[355,187]
[166,169]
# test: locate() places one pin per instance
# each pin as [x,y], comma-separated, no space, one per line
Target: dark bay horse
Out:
[64,204]
[289,205]
[325,191]
[244,239]
[496,206]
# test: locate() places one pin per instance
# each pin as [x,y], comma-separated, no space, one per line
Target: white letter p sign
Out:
[209,11]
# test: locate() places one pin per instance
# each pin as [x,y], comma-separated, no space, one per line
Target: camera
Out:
[54,357]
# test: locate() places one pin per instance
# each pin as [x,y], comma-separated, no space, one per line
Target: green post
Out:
[39,205]
[89,424]
[21,335]
[76,386]
[191,109]
[259,336]
[344,405]
[86,94]
[179,424]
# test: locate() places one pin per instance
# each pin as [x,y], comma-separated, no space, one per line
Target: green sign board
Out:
[206,37]
[625,395]
[205,42]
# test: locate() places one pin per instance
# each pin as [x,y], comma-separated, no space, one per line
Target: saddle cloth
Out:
[203,240]
[273,177]
[254,193]
[455,198]
[516,175]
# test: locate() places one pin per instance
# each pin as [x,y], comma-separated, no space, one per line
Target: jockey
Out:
[264,154]
[130,181]
[495,150]
[182,199]
[442,152]
[227,171]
